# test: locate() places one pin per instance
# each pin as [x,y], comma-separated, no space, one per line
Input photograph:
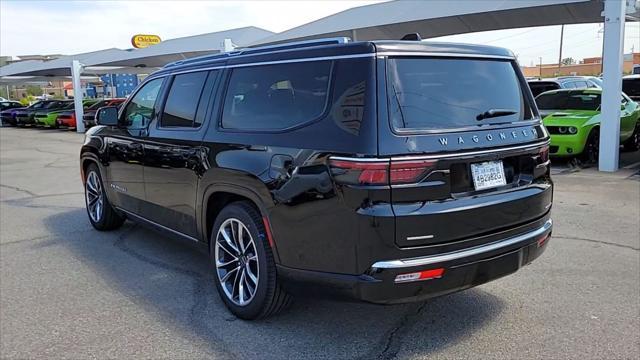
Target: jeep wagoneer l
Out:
[383,171]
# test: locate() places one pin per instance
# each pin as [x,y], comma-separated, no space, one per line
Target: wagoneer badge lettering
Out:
[444,141]
[118,187]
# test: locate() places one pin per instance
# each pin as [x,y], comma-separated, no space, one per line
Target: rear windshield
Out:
[538,87]
[568,100]
[438,93]
[631,87]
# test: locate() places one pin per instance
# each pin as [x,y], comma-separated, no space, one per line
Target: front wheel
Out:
[591,148]
[245,269]
[101,214]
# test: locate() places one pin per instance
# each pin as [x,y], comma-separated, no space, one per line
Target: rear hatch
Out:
[468,155]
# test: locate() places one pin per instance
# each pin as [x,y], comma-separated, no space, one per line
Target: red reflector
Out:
[421,275]
[542,240]
[267,229]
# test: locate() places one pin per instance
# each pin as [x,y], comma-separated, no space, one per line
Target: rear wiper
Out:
[491,113]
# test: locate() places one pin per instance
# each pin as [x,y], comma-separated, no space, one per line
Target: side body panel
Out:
[286,172]
[175,161]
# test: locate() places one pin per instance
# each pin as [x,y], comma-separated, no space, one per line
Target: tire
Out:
[591,148]
[101,214]
[254,267]
[633,143]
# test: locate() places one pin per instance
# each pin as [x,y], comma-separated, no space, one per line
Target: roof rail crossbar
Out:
[261,49]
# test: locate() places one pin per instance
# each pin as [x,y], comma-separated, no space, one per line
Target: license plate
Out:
[488,175]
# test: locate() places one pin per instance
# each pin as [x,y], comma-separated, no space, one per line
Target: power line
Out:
[510,36]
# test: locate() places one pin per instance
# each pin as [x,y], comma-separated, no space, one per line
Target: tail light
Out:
[544,154]
[380,172]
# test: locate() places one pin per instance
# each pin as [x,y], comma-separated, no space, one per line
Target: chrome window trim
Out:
[335,57]
[455,255]
[276,62]
[444,54]
[447,155]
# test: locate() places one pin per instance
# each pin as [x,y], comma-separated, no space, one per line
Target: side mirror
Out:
[107,115]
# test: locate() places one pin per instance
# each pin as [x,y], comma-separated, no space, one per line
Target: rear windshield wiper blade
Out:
[491,113]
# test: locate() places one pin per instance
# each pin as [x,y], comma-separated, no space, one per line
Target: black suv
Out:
[385,171]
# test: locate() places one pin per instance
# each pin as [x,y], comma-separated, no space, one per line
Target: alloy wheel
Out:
[236,261]
[94,196]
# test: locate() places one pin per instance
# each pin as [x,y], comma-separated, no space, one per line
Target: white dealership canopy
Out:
[392,20]
[140,61]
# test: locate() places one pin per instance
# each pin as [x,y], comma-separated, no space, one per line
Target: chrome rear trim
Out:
[478,250]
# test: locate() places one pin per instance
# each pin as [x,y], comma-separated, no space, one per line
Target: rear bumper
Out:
[463,269]
[8,120]
[22,120]
[64,122]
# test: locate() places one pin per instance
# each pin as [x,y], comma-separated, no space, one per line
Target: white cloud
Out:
[46,27]
[35,27]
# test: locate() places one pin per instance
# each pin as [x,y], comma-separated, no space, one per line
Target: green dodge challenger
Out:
[572,117]
[48,118]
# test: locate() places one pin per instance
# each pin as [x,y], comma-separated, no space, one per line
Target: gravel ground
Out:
[67,291]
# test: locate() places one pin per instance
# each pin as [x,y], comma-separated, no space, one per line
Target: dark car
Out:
[7,111]
[9,116]
[89,115]
[383,171]
[27,115]
[5,105]
[631,86]
[538,86]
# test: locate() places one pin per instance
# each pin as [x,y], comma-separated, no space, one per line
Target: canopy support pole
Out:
[76,71]
[614,17]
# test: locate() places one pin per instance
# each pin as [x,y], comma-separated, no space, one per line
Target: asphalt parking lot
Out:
[67,291]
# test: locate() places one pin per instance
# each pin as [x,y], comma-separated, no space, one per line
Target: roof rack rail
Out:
[261,49]
[302,43]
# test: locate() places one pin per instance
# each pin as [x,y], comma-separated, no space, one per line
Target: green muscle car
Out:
[572,118]
[47,118]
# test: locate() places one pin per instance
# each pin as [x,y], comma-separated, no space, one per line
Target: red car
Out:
[68,118]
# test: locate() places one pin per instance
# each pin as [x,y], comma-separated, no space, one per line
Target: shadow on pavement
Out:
[174,282]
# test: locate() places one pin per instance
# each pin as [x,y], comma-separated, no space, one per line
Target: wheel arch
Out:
[87,158]
[216,196]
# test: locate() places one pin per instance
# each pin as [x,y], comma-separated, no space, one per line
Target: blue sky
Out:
[47,27]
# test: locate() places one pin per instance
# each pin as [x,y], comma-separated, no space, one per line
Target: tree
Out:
[34,90]
[568,61]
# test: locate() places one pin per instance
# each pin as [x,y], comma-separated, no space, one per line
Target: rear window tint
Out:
[437,93]
[276,97]
[631,87]
[568,100]
[538,87]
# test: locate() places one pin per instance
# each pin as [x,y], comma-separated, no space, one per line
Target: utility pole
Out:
[540,76]
[560,53]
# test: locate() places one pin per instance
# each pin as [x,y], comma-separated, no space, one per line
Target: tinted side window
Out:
[182,102]
[581,84]
[273,97]
[139,110]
